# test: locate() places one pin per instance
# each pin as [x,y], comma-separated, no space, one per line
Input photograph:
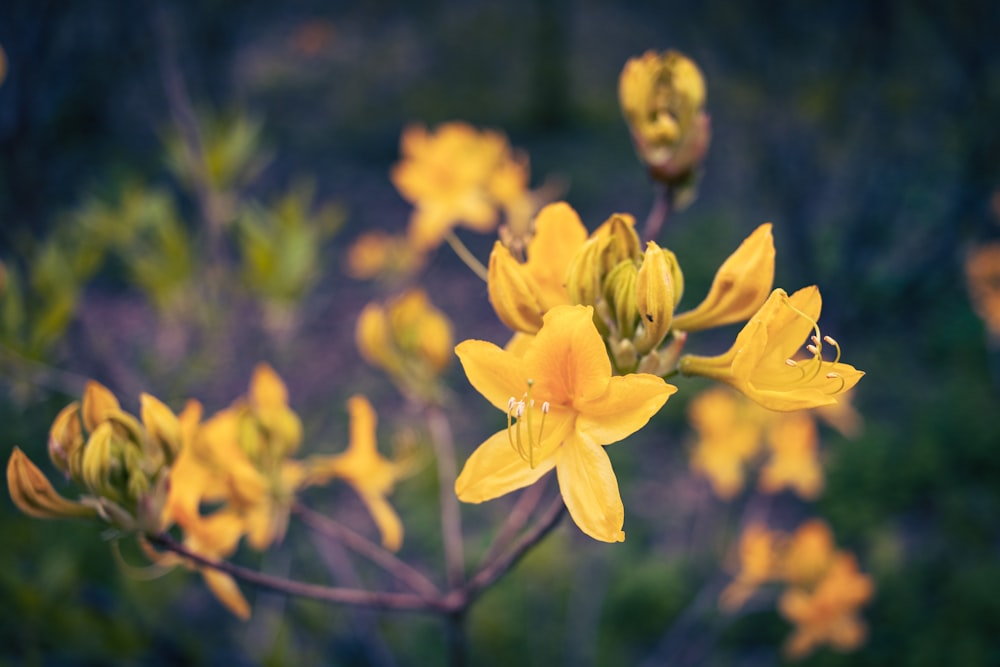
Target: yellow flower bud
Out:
[162,426]
[374,340]
[102,467]
[619,293]
[654,295]
[66,440]
[512,292]
[611,244]
[97,402]
[34,495]
[662,98]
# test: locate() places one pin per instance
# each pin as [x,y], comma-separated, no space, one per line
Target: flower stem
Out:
[408,575]
[360,598]
[487,576]
[451,523]
[466,255]
[516,520]
[663,200]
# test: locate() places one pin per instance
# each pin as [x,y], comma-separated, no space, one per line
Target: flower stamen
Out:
[523,410]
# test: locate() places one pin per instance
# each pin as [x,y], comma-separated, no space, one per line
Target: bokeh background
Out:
[864,129]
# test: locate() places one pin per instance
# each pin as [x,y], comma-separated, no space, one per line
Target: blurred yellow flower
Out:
[728,438]
[409,339]
[809,553]
[740,287]
[794,461]
[384,256]
[372,475]
[662,96]
[562,404]
[731,431]
[759,562]
[982,273]
[455,176]
[828,613]
[761,363]
[521,293]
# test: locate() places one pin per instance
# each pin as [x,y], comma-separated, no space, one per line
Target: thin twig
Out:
[406,574]
[487,576]
[516,520]
[466,255]
[663,200]
[451,522]
[360,598]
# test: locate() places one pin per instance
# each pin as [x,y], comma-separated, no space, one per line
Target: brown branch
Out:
[360,598]
[516,520]
[451,522]
[663,202]
[487,576]
[406,574]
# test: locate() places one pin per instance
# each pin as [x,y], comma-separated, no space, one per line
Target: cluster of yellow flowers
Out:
[597,330]
[824,588]
[732,430]
[145,476]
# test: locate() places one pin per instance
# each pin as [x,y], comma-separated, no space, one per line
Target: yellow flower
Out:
[521,293]
[760,560]
[727,440]
[794,461]
[562,404]
[381,255]
[828,614]
[372,475]
[662,98]
[761,362]
[740,287]
[982,272]
[408,338]
[449,176]
[809,554]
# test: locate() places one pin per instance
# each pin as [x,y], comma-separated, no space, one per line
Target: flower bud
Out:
[512,292]
[662,98]
[102,467]
[619,293]
[654,295]
[97,402]
[162,427]
[66,440]
[34,495]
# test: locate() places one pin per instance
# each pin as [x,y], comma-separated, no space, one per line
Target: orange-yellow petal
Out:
[568,360]
[495,373]
[495,469]
[590,489]
[625,407]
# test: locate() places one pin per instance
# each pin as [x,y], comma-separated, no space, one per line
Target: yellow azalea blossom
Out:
[372,475]
[828,614]
[727,440]
[761,362]
[982,273]
[408,338]
[447,176]
[809,554]
[662,97]
[521,293]
[760,562]
[794,461]
[562,406]
[740,287]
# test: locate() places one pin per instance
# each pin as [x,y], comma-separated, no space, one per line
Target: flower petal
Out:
[495,373]
[495,469]
[624,408]
[559,232]
[568,360]
[224,588]
[590,489]
[385,517]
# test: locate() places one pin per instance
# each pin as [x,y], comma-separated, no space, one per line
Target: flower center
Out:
[521,415]
[812,367]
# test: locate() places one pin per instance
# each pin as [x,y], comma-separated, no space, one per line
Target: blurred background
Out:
[864,129]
